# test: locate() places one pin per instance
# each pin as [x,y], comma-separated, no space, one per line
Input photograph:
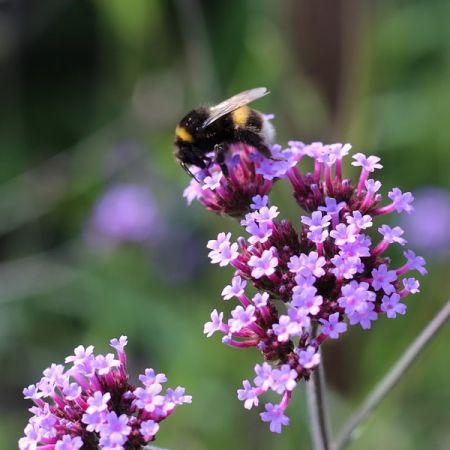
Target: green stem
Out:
[318,413]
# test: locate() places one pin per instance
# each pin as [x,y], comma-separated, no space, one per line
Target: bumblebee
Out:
[210,129]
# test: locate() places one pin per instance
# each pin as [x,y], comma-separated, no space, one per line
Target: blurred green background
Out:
[91,92]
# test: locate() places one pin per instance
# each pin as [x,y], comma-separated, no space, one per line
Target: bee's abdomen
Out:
[254,120]
[245,117]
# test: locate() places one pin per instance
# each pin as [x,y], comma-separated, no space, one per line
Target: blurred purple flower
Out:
[428,229]
[127,212]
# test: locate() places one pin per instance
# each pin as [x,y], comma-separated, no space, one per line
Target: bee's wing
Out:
[233,103]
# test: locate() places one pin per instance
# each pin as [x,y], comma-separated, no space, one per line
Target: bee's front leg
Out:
[255,140]
[220,151]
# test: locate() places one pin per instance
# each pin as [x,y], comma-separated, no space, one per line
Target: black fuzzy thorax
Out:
[222,132]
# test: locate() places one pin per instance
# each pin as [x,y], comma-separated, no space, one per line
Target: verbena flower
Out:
[321,272]
[91,405]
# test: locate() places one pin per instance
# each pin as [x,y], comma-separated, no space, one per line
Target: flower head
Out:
[77,408]
[322,267]
[232,195]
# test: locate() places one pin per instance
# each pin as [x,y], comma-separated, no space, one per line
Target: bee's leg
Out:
[255,140]
[220,151]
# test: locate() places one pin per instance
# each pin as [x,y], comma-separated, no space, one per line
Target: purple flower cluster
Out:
[230,195]
[324,269]
[91,405]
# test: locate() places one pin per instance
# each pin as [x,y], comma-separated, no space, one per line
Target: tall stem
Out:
[318,413]
[393,376]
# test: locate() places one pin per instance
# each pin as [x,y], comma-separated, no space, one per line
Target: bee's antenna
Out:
[188,171]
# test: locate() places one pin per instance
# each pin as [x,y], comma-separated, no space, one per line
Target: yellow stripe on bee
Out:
[183,134]
[240,116]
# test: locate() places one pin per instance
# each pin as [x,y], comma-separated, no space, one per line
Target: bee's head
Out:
[191,124]
[187,155]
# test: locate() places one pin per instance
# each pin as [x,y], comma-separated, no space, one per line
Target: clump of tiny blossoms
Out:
[323,272]
[91,404]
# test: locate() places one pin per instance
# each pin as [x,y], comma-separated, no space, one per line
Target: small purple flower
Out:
[358,221]
[266,214]
[259,201]
[314,150]
[115,431]
[364,314]
[316,221]
[332,206]
[309,358]
[307,300]
[150,377]
[383,279]
[264,376]
[264,264]
[372,186]
[355,294]
[402,202]
[104,364]
[193,191]
[81,354]
[236,289]
[339,150]
[148,429]
[93,421]
[119,344]
[287,327]
[318,236]
[98,402]
[242,318]
[215,324]
[69,443]
[367,163]
[343,234]
[332,327]
[411,285]
[260,232]
[391,306]
[275,415]
[277,167]
[212,182]
[345,266]
[414,263]
[285,379]
[360,247]
[222,251]
[392,235]
[248,395]
[307,265]
[260,300]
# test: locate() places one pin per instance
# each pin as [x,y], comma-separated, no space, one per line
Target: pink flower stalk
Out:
[91,404]
[324,267]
